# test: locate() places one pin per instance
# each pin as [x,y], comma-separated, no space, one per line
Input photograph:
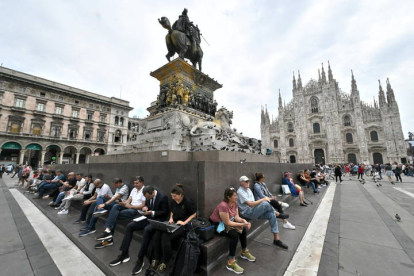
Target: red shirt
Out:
[223,207]
[360,169]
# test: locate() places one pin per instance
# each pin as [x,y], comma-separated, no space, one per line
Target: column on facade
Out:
[42,158]
[21,157]
[61,157]
[77,158]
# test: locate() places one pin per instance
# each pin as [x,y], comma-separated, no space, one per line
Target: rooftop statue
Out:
[183,38]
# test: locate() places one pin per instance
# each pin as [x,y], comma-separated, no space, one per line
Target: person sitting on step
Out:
[74,194]
[259,209]
[295,189]
[156,208]
[123,211]
[102,191]
[182,211]
[260,191]
[228,223]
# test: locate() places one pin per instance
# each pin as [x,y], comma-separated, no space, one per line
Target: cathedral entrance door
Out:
[377,158]
[292,159]
[352,158]
[319,156]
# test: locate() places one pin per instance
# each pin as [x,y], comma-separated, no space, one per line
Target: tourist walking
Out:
[338,174]
[398,171]
[389,173]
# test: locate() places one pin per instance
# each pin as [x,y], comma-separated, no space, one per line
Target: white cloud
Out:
[255,45]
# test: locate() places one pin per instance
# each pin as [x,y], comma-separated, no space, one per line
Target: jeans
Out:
[119,212]
[336,178]
[60,197]
[44,186]
[91,220]
[101,200]
[312,184]
[361,174]
[129,231]
[263,211]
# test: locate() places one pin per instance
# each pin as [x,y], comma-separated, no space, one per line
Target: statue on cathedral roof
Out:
[183,38]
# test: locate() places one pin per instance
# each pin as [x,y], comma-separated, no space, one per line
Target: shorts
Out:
[389,173]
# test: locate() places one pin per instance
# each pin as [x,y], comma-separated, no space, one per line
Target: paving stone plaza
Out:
[362,237]
[91,212]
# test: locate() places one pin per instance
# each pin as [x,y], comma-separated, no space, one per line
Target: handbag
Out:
[285,189]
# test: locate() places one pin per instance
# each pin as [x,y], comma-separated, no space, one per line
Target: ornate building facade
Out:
[42,121]
[321,124]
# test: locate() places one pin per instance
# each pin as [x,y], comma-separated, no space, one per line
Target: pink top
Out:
[223,207]
[346,169]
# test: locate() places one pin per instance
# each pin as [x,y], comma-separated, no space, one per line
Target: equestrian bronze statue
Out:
[183,38]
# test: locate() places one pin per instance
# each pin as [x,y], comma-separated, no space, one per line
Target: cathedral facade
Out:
[321,124]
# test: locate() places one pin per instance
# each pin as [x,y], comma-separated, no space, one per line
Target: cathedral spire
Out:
[390,93]
[381,95]
[375,104]
[323,75]
[294,83]
[319,76]
[280,100]
[330,76]
[299,81]
[353,84]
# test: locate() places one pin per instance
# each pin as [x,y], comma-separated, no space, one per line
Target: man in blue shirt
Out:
[259,209]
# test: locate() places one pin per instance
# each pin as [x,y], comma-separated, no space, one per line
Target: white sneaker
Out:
[50,203]
[45,197]
[284,205]
[288,225]
[63,212]
[36,194]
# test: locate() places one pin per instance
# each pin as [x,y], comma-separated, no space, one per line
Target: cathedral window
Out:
[290,127]
[291,143]
[316,128]
[349,138]
[275,143]
[347,120]
[314,105]
[116,120]
[374,136]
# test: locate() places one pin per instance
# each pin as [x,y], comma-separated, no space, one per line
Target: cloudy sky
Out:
[111,46]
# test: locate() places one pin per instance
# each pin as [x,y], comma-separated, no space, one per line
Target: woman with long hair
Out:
[183,210]
[235,228]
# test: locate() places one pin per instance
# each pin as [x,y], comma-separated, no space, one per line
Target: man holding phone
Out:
[123,210]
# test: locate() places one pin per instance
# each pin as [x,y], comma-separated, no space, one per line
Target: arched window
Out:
[275,143]
[121,121]
[290,127]
[374,136]
[118,136]
[291,143]
[316,128]
[116,120]
[349,138]
[314,105]
[347,120]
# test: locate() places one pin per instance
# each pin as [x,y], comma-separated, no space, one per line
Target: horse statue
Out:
[178,42]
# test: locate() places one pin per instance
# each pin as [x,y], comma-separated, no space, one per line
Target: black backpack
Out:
[186,260]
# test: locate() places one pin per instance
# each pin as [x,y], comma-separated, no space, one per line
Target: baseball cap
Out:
[244,178]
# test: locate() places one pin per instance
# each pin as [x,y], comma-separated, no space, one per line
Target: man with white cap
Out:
[259,209]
